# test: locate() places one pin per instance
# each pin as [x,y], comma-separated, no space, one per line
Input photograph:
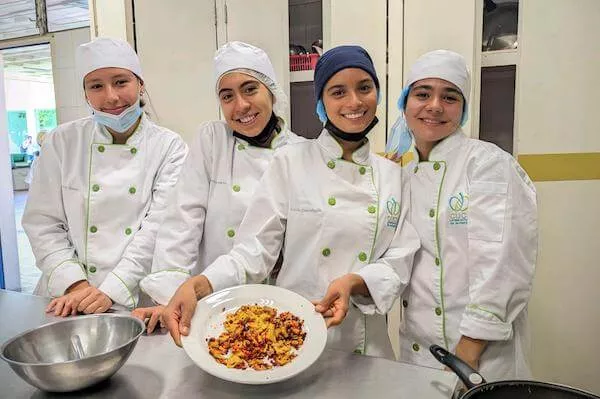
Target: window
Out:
[17,130]
[17,19]
[67,14]
[45,119]
[500,22]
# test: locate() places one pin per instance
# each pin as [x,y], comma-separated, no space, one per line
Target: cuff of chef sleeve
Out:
[221,274]
[161,286]
[63,276]
[117,290]
[384,287]
[479,323]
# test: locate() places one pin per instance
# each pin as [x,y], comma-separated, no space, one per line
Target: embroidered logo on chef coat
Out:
[458,204]
[393,212]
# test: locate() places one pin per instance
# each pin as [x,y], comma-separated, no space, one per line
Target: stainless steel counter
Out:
[158,369]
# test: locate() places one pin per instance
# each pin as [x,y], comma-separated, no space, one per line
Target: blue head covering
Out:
[333,61]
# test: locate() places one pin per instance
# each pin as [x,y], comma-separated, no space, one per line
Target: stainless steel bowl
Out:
[73,353]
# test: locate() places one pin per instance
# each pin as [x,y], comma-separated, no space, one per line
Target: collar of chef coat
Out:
[279,140]
[443,148]
[103,135]
[330,145]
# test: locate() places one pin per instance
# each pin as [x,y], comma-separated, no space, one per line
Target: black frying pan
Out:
[512,389]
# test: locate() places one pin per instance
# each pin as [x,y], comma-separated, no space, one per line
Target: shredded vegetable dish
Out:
[257,337]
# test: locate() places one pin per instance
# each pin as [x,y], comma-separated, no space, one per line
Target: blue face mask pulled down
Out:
[122,122]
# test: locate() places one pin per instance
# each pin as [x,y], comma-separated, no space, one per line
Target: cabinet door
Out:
[432,24]
[364,23]
[176,46]
[263,24]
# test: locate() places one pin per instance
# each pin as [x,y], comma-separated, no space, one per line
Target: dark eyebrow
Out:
[452,90]
[446,89]
[122,75]
[243,85]
[423,87]
[248,82]
[89,81]
[340,86]
[119,76]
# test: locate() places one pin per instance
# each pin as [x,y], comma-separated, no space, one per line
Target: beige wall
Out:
[558,86]
[177,61]
[364,23]
[70,100]
[438,24]
[275,45]
[110,18]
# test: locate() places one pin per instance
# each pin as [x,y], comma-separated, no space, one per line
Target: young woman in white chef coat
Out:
[100,187]
[475,211]
[347,243]
[226,162]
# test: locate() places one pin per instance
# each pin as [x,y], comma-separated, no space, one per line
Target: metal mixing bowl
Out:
[73,353]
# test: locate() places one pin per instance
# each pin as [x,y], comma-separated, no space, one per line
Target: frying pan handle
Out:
[467,375]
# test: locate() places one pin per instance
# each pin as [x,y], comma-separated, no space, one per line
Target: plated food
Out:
[264,333]
[258,337]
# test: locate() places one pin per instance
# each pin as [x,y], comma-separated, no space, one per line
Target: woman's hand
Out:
[470,350]
[177,315]
[334,305]
[153,314]
[80,297]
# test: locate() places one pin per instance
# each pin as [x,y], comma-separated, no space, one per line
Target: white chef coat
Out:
[210,199]
[94,207]
[475,211]
[336,217]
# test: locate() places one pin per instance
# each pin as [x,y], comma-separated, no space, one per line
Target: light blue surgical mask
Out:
[119,123]
[400,139]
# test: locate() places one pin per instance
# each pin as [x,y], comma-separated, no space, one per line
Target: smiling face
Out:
[246,103]
[350,99]
[112,90]
[433,111]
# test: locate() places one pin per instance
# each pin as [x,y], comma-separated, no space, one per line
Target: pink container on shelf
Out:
[303,62]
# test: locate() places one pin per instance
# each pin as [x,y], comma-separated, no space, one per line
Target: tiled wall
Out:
[70,102]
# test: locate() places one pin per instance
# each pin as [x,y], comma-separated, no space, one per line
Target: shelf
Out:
[302,76]
[499,58]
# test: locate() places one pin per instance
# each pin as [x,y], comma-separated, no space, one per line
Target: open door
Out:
[9,257]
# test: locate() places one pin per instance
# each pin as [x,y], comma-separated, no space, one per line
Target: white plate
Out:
[208,322]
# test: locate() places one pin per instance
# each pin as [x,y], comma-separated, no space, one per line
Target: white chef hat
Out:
[253,61]
[442,64]
[105,52]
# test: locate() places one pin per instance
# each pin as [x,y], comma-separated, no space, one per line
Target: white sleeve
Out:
[45,222]
[121,284]
[387,277]
[260,238]
[177,244]
[502,247]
